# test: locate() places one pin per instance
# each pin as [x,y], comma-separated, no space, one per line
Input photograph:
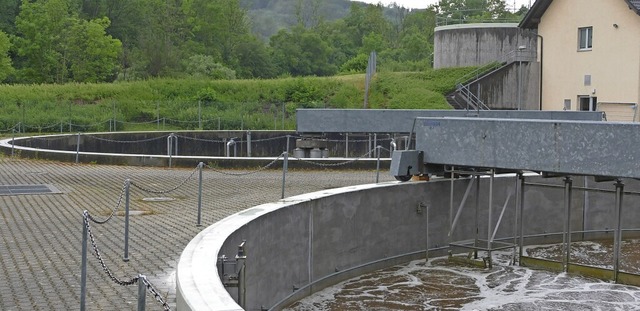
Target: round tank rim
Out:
[476,25]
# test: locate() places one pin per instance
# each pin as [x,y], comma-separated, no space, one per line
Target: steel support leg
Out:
[618,233]
[566,259]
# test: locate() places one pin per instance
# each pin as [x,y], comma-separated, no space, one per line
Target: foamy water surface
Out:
[440,285]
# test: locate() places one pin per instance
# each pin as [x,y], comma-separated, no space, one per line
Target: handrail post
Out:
[285,167]
[249,144]
[378,164]
[83,267]
[200,165]
[566,259]
[126,220]
[78,149]
[13,138]
[142,292]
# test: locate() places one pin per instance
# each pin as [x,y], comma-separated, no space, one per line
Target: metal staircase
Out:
[464,98]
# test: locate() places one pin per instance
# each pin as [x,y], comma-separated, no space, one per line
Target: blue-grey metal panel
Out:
[401,120]
[566,147]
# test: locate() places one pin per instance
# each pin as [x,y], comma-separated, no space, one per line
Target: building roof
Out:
[532,19]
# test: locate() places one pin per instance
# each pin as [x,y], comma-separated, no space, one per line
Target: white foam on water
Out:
[413,286]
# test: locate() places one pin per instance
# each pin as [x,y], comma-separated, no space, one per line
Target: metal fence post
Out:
[83,267]
[288,136]
[248,143]
[200,165]
[378,164]
[285,166]
[78,149]
[346,145]
[142,292]
[126,220]
[13,138]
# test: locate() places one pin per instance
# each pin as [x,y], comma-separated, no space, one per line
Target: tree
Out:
[302,52]
[93,55]
[5,61]
[57,46]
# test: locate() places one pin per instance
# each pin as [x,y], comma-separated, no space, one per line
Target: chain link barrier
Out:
[148,190]
[126,141]
[200,139]
[260,169]
[96,252]
[156,295]
[336,164]
[113,211]
[134,280]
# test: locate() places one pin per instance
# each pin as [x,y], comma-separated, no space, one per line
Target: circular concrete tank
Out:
[478,44]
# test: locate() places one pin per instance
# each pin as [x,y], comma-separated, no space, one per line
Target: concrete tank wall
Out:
[299,245]
[477,44]
[500,89]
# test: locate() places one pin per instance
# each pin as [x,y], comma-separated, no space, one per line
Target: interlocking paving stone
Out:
[41,235]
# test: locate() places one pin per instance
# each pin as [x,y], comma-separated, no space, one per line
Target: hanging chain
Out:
[164,191]
[113,212]
[131,281]
[125,141]
[336,164]
[155,294]
[102,263]
[245,173]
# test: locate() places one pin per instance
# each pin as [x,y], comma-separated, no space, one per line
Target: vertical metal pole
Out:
[451,203]
[218,123]
[285,165]
[248,143]
[521,205]
[370,146]
[477,217]
[516,218]
[126,219]
[567,224]
[618,233]
[346,145]
[83,269]
[241,259]
[283,115]
[200,166]
[158,115]
[142,292]
[489,222]
[585,207]
[200,115]
[114,116]
[288,136]
[427,229]
[375,139]
[13,138]
[378,165]
[78,149]
[69,116]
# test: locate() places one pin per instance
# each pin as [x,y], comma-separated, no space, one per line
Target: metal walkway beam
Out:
[401,120]
[558,147]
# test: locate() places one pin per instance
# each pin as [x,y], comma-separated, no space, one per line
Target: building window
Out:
[588,103]
[585,38]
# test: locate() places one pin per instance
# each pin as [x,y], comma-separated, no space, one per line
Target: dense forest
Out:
[61,41]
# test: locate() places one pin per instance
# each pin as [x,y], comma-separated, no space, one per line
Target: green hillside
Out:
[221,104]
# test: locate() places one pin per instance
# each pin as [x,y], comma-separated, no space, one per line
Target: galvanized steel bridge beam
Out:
[552,146]
[401,120]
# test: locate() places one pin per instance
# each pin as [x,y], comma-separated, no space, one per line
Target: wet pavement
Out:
[41,234]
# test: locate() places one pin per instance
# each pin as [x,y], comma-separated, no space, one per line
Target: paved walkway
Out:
[41,235]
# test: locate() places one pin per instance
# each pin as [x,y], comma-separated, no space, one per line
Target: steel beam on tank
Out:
[401,120]
[557,147]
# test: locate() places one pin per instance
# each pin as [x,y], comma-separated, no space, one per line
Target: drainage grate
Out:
[27,189]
